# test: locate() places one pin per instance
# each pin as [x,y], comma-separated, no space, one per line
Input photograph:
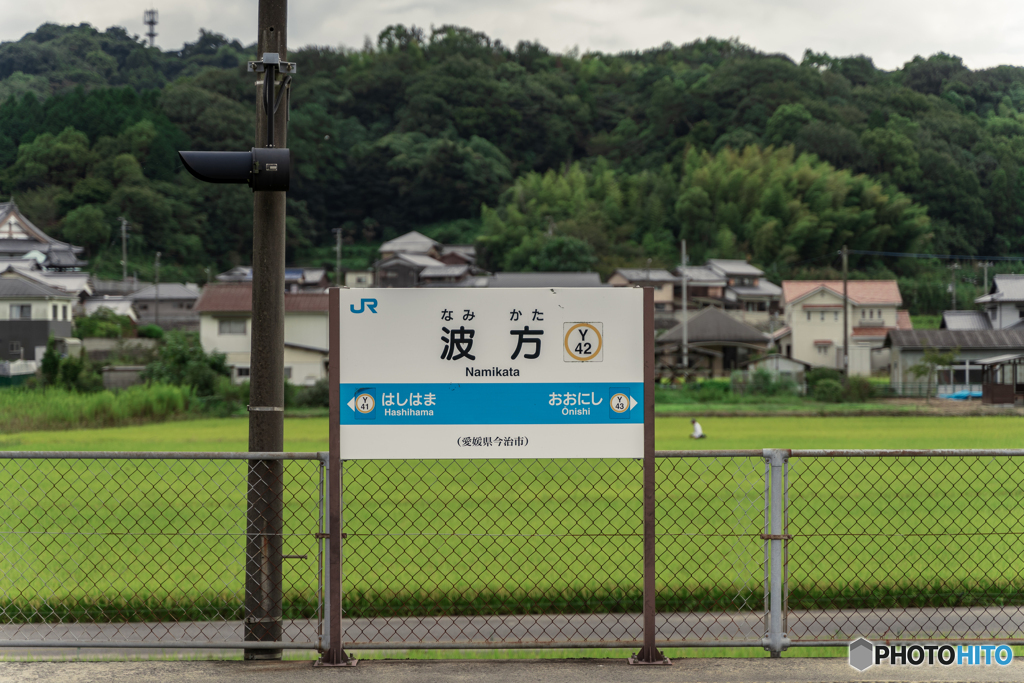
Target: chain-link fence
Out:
[502,552]
[906,545]
[710,557]
[150,550]
[751,548]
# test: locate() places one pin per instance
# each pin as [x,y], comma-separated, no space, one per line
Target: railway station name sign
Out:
[489,373]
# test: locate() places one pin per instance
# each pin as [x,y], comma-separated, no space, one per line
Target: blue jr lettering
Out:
[364,304]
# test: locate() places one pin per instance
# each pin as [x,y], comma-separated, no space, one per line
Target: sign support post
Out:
[649,653]
[335,654]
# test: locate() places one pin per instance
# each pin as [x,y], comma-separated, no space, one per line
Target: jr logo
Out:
[364,305]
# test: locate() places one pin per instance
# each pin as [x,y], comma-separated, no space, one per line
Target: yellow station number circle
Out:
[572,329]
[365,403]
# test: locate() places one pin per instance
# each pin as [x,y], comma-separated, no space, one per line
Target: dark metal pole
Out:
[649,652]
[334,655]
[265,524]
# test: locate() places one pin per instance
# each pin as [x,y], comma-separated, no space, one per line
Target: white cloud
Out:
[984,33]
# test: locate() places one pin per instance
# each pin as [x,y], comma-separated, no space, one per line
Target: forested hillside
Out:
[547,161]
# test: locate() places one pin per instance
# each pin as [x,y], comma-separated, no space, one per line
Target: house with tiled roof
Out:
[20,238]
[171,305]
[813,332]
[1004,302]
[225,326]
[30,313]
[415,260]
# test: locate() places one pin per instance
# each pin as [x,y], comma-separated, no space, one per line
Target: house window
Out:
[143,307]
[808,315]
[65,313]
[863,314]
[15,347]
[835,316]
[872,313]
[20,312]
[992,313]
[231,327]
[287,373]
[243,372]
[55,313]
[823,316]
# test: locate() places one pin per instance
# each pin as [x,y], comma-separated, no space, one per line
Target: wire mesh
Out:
[493,551]
[710,559]
[146,550]
[906,547]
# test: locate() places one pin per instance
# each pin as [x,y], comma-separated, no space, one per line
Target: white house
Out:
[225,326]
[814,322]
[30,313]
[1004,303]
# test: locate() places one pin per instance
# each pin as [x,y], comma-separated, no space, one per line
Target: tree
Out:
[88,226]
[931,360]
[51,363]
[182,362]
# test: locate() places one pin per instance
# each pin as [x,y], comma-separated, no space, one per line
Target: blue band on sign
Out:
[478,404]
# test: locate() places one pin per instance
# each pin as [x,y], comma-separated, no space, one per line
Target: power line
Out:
[949,257]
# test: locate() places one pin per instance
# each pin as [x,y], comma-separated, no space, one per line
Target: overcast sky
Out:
[983,32]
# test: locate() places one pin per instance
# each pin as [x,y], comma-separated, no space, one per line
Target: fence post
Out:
[335,654]
[776,641]
[649,653]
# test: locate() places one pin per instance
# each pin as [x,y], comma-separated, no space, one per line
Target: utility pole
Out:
[338,280]
[846,308]
[952,281]
[124,250]
[985,266]
[686,337]
[264,517]
[156,288]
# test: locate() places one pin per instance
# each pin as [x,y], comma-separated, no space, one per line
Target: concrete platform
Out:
[562,671]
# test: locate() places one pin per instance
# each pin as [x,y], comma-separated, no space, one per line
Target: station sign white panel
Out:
[491,373]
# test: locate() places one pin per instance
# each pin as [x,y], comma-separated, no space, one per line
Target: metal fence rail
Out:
[756,547]
[148,549]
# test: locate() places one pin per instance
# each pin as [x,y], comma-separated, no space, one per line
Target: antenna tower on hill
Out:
[149,18]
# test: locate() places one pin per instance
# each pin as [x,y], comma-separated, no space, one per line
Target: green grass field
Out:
[421,535]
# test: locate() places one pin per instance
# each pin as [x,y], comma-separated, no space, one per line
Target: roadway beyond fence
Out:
[765,548]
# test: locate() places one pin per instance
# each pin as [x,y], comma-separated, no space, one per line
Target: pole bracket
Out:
[777,537]
[271,58]
[264,409]
[262,620]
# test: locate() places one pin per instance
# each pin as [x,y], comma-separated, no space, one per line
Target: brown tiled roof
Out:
[903,321]
[871,331]
[859,291]
[236,297]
